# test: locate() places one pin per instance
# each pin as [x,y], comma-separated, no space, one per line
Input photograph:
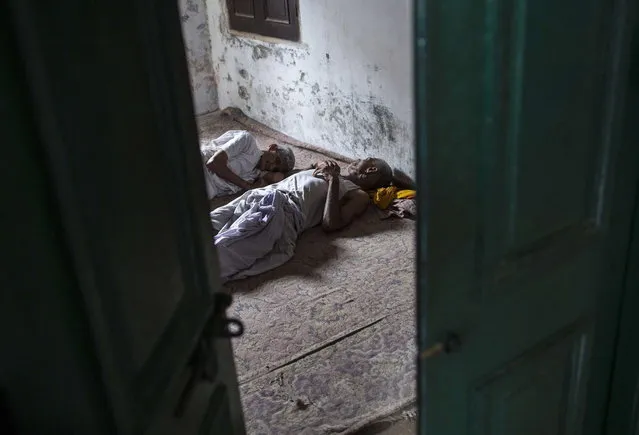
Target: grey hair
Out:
[287,157]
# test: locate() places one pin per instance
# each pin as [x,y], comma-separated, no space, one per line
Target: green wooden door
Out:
[526,196]
[115,139]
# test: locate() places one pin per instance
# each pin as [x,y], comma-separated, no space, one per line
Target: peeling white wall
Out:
[347,86]
[197,40]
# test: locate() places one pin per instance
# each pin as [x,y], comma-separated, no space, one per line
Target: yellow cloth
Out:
[406,194]
[384,196]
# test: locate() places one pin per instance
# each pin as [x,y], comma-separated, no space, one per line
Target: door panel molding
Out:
[560,217]
[562,359]
[523,184]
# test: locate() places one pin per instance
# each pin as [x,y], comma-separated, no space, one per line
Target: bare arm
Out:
[338,214]
[272,177]
[218,164]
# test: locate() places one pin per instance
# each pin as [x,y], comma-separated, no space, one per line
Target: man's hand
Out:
[327,170]
[260,182]
[218,164]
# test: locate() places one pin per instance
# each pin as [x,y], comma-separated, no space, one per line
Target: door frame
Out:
[623,404]
[610,298]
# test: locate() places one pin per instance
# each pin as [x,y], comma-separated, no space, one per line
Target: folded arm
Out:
[339,213]
[218,164]
[272,177]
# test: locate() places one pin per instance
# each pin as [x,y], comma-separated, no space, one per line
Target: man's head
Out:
[370,173]
[277,159]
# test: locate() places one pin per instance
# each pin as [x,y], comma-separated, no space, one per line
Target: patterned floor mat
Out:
[330,336]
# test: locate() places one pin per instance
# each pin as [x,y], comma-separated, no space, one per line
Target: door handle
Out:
[451,343]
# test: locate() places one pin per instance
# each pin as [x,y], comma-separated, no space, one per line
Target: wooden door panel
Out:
[151,300]
[219,413]
[212,408]
[242,8]
[536,393]
[277,11]
[145,288]
[538,180]
[519,174]
[121,148]
[554,130]
[207,413]
[540,159]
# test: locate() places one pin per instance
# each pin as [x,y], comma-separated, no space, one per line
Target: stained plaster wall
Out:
[347,86]
[197,40]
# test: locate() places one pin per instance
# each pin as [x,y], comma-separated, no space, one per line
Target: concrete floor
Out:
[401,428]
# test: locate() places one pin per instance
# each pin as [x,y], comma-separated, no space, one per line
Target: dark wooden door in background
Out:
[276,18]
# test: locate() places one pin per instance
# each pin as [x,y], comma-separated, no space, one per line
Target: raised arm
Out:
[339,213]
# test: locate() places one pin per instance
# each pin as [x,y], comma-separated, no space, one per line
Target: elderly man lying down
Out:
[233,162]
[258,231]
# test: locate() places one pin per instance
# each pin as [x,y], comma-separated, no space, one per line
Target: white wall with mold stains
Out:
[197,41]
[347,86]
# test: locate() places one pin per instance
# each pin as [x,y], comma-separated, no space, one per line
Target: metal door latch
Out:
[203,361]
[222,325]
[451,343]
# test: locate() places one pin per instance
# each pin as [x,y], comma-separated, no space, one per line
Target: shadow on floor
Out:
[316,249]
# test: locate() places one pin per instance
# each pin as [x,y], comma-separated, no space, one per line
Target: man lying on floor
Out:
[258,231]
[235,163]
